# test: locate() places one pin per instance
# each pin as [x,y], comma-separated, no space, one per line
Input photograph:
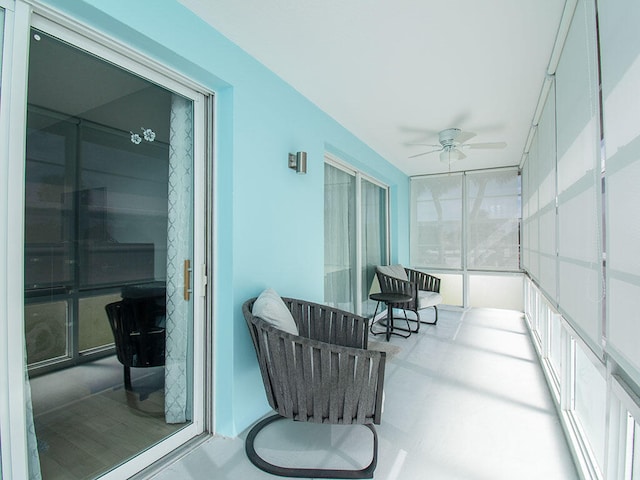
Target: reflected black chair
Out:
[323,375]
[139,334]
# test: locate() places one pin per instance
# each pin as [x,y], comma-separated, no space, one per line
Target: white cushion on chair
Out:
[270,307]
[395,271]
[428,299]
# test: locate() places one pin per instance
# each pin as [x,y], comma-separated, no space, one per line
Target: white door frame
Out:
[20,17]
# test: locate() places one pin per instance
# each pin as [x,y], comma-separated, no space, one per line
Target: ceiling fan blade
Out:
[419,134]
[464,137]
[425,153]
[424,145]
[486,145]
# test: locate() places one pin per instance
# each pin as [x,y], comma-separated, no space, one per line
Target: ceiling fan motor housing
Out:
[448,137]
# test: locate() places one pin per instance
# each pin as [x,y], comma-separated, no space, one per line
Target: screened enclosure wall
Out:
[468,222]
[581,232]
[563,198]
[620,64]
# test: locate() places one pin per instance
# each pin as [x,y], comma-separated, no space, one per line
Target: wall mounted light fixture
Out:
[298,162]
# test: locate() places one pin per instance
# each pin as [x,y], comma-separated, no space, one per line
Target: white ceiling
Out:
[395,72]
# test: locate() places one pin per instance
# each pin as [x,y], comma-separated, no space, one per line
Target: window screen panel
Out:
[493,218]
[436,221]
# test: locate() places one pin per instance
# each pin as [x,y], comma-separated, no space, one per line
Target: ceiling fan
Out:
[453,141]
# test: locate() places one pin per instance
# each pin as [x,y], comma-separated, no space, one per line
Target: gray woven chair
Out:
[323,375]
[423,288]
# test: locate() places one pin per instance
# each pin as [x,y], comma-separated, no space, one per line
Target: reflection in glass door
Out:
[108,251]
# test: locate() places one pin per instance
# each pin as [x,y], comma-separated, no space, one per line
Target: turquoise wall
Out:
[269,220]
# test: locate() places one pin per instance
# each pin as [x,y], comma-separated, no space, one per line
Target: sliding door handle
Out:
[187,280]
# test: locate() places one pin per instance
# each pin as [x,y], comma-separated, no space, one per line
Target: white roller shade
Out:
[620,54]
[534,213]
[436,221]
[547,197]
[579,204]
[524,234]
[493,218]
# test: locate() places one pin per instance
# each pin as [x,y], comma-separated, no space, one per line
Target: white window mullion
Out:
[359,249]
[464,244]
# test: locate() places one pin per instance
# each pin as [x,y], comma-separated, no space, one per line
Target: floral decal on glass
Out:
[148,135]
[135,138]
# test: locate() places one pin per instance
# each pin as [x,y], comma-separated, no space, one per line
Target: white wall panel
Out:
[451,288]
[496,291]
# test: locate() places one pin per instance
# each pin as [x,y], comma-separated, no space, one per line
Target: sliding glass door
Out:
[373,207]
[356,237]
[339,238]
[109,257]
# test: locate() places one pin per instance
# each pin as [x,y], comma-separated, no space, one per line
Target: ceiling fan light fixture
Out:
[451,154]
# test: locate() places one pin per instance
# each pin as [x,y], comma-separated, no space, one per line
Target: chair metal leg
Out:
[408,325]
[373,319]
[419,321]
[265,466]
[127,378]
[431,323]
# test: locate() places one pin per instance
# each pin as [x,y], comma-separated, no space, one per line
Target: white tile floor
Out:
[465,399]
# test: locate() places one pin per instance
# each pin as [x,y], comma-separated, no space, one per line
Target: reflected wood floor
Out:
[87,423]
[465,399]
